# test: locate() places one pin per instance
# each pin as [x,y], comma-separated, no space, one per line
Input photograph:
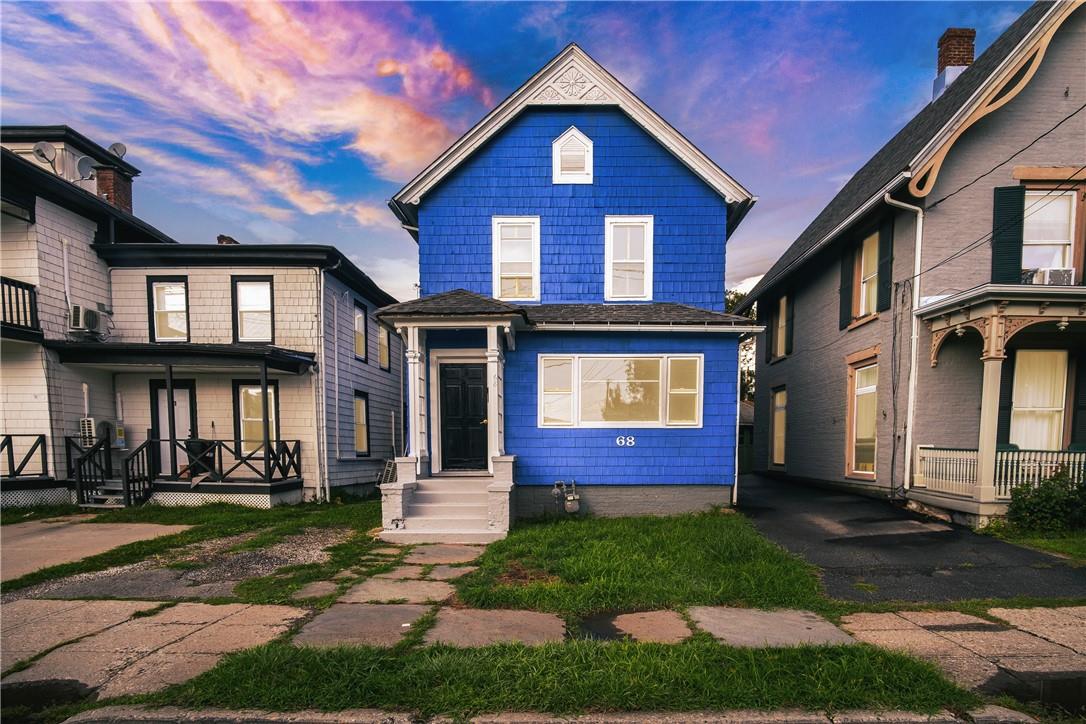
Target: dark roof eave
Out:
[181,354]
[308,255]
[67,134]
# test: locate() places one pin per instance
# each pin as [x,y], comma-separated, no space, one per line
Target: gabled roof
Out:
[455,303]
[573,78]
[903,154]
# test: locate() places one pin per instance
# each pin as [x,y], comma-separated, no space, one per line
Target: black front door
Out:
[463,416]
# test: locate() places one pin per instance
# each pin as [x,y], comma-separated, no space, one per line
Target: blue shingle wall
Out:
[633,174]
[660,456]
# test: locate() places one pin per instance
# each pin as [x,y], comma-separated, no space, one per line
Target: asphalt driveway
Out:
[870,550]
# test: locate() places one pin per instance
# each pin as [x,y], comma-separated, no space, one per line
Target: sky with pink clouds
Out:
[296,122]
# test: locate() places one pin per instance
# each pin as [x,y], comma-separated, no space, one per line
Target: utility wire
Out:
[1009,158]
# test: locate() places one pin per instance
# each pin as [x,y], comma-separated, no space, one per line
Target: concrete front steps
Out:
[449,509]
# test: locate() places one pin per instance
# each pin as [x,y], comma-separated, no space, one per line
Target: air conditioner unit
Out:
[85,320]
[87,432]
[1058,277]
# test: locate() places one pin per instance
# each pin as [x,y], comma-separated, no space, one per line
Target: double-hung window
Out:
[628,258]
[620,391]
[1048,229]
[1038,398]
[249,415]
[361,328]
[253,315]
[361,424]
[863,377]
[867,272]
[169,308]
[516,257]
[778,425]
[384,356]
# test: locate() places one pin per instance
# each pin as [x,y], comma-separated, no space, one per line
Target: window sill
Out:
[778,358]
[866,477]
[861,321]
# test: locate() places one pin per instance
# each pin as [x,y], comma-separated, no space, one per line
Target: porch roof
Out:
[180,354]
[651,316]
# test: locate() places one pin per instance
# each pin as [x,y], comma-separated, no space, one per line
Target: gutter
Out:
[914,336]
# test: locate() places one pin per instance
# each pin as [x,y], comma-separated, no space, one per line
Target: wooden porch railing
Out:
[93,471]
[223,461]
[1029,467]
[137,473]
[953,471]
[20,304]
[23,457]
[947,470]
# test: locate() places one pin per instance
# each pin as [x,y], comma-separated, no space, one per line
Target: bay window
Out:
[620,391]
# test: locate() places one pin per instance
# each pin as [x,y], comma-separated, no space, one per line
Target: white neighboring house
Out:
[284,386]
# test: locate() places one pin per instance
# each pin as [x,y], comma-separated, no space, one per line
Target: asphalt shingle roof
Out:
[898,153]
[455,303]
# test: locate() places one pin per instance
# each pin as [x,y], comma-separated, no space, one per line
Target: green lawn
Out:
[581,566]
[211,521]
[570,677]
[9,516]
[1071,544]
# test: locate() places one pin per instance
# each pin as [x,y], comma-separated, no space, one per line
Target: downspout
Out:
[914,337]
[320,395]
[738,407]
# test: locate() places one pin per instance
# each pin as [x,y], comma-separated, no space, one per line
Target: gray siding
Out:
[948,396]
[343,374]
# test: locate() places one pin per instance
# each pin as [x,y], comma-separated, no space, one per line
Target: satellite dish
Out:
[45,152]
[85,167]
[118,149]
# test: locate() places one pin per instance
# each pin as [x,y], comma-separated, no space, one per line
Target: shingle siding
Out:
[661,456]
[633,174]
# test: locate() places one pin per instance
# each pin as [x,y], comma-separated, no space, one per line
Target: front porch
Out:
[1030,423]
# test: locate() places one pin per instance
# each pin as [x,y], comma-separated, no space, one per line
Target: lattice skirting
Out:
[32,498]
[250,500]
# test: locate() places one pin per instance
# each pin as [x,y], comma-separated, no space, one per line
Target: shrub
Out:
[1053,505]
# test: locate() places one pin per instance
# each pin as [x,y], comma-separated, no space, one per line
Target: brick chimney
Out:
[956,51]
[114,186]
[224,240]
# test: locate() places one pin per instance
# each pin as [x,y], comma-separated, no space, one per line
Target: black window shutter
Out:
[1078,421]
[790,306]
[767,322]
[1006,399]
[1008,211]
[847,260]
[886,265]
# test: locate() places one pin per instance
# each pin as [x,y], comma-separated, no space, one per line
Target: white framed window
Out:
[516,257]
[571,158]
[249,413]
[628,258]
[384,358]
[1038,398]
[617,391]
[1048,230]
[863,413]
[868,266]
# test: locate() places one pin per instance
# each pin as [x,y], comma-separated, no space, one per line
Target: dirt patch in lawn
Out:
[518,574]
[209,569]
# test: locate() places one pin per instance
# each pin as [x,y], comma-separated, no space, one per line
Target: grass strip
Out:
[569,677]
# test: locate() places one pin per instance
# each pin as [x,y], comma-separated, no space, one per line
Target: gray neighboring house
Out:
[926,334]
[284,387]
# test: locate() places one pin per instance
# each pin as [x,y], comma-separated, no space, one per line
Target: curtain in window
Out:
[1040,387]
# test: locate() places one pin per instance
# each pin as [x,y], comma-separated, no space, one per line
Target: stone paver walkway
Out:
[142,655]
[475,627]
[443,553]
[387,590]
[753,628]
[662,627]
[28,547]
[980,654]
[361,624]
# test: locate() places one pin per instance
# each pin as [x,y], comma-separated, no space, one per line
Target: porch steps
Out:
[449,509]
[110,494]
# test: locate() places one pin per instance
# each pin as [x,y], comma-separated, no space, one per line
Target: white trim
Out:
[495,255]
[437,358]
[573,78]
[616,327]
[575,395]
[558,176]
[992,292]
[609,223]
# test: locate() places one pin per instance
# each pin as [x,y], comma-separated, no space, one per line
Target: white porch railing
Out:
[953,471]
[1029,467]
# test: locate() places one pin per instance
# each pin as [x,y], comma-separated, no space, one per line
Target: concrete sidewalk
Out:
[28,547]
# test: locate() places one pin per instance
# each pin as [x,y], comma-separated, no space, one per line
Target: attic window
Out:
[571,155]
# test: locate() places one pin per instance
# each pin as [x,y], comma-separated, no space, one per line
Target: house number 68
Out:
[625,441]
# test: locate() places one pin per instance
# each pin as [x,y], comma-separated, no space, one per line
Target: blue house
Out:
[571,324]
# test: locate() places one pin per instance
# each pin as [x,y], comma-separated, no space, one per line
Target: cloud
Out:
[397,276]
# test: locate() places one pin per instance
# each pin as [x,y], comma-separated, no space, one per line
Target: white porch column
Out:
[495,429]
[992,359]
[416,400]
